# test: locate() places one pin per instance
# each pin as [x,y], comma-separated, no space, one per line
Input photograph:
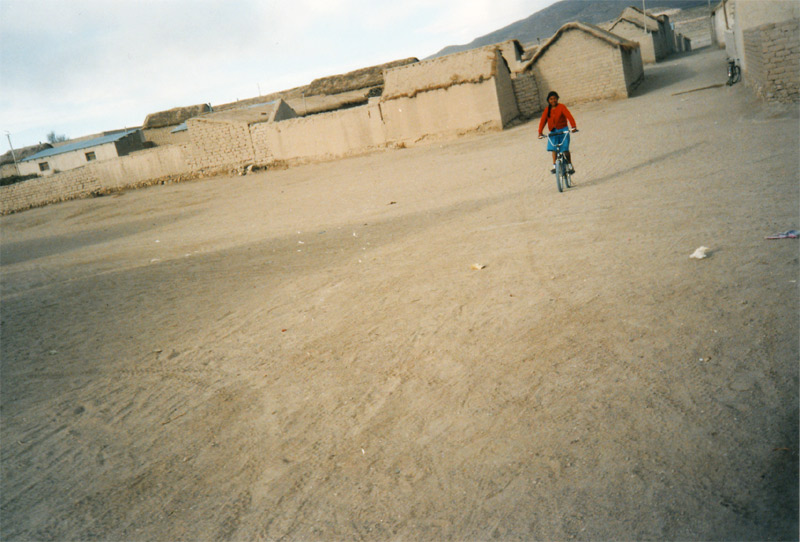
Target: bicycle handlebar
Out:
[573,130]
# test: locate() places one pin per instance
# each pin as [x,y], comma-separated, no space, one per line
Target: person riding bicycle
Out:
[556,116]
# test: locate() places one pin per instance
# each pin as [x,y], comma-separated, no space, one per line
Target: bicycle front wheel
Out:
[560,175]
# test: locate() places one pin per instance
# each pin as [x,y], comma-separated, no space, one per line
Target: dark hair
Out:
[551,93]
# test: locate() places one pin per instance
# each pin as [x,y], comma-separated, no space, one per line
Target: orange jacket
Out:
[559,115]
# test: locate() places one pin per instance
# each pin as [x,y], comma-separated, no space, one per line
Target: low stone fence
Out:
[137,169]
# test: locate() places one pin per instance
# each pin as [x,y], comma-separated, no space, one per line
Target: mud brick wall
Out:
[527,93]
[217,144]
[595,70]
[164,136]
[320,137]
[136,169]
[506,99]
[40,191]
[773,60]
[647,42]
[633,68]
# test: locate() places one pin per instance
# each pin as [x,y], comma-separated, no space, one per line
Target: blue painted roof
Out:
[78,145]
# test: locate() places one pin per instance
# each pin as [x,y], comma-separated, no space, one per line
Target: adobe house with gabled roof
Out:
[664,26]
[585,63]
[645,32]
[79,153]
[658,27]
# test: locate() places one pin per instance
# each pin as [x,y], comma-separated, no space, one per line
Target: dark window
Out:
[90,156]
[44,166]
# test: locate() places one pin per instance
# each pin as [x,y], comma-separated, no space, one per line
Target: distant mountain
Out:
[543,24]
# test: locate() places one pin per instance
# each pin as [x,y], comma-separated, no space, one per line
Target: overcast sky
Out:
[78,67]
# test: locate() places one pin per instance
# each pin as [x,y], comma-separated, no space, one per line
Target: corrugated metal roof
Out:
[78,145]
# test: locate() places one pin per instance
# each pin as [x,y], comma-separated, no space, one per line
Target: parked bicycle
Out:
[734,72]
[562,166]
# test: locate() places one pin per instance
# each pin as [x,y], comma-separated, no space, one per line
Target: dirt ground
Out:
[309,354]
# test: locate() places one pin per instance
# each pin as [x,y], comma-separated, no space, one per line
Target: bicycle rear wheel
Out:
[567,177]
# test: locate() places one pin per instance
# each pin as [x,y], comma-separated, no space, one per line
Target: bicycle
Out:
[734,72]
[563,175]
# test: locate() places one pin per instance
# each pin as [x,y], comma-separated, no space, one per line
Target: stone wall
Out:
[773,60]
[526,91]
[215,144]
[137,169]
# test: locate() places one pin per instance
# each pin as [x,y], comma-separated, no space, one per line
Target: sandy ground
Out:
[308,354]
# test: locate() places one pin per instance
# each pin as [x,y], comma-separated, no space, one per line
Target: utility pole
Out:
[14,156]
[644,18]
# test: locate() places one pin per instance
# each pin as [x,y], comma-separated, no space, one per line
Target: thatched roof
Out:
[23,153]
[173,117]
[604,35]
[473,66]
[355,80]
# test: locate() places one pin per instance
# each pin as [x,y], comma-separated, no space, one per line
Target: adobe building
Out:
[601,65]
[448,95]
[512,52]
[79,153]
[664,32]
[224,139]
[9,161]
[645,32]
[723,16]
